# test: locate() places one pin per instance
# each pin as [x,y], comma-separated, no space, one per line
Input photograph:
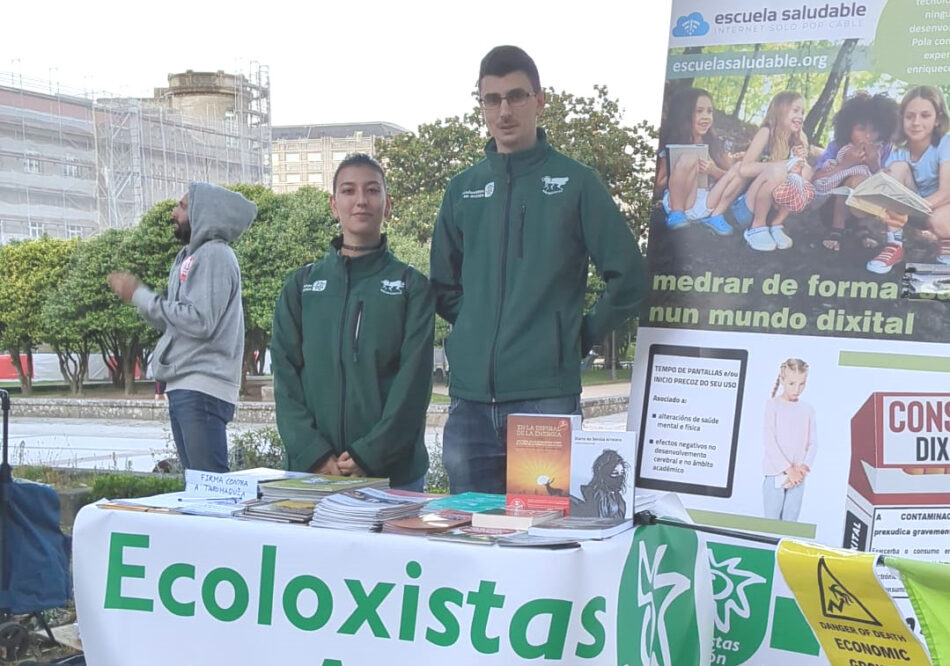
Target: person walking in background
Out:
[791,442]
[509,267]
[351,348]
[201,351]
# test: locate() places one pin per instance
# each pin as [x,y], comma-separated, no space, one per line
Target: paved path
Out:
[138,445]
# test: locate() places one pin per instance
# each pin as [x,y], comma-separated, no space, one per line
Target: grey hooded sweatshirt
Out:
[201,317]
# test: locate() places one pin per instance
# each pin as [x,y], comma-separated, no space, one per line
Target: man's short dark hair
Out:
[503,60]
[359,159]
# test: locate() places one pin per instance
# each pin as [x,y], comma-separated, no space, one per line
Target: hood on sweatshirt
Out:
[216,213]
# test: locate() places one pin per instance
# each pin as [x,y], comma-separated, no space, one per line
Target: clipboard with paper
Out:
[700,150]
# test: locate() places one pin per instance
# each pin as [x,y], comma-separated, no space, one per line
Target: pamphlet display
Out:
[797,386]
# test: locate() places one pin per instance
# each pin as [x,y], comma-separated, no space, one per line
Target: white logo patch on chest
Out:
[392,287]
[551,185]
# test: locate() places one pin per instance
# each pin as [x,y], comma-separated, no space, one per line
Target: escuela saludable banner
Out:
[792,373]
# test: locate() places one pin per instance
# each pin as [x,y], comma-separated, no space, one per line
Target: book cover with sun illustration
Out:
[539,461]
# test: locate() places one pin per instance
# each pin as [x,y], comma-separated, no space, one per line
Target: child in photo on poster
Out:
[690,121]
[791,442]
[864,127]
[921,161]
[776,161]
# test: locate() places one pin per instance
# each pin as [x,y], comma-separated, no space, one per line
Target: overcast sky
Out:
[406,62]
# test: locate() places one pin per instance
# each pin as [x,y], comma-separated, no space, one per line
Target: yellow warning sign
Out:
[853,617]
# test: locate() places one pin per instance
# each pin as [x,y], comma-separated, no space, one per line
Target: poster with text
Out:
[792,373]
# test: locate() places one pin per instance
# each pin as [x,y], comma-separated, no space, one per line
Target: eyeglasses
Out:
[515,98]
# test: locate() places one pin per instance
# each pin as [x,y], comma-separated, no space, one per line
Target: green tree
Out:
[590,130]
[289,231]
[115,329]
[29,273]
[67,318]
[426,160]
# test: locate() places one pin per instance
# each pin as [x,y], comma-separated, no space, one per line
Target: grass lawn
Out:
[593,376]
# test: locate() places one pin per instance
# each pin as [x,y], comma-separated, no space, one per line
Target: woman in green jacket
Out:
[351,348]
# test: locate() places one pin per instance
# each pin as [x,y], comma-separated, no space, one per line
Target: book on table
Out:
[602,474]
[676,151]
[880,193]
[428,523]
[283,510]
[539,460]
[514,518]
[579,527]
[315,486]
[470,501]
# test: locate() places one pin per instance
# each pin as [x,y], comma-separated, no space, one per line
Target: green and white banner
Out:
[220,591]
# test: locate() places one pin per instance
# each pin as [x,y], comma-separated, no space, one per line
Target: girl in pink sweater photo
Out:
[790,443]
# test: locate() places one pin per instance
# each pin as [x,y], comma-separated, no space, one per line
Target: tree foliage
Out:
[290,230]
[29,273]
[67,320]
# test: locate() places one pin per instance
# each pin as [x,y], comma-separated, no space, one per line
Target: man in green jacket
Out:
[509,266]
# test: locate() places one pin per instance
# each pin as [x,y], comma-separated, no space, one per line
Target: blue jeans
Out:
[782,503]
[199,424]
[417,486]
[474,441]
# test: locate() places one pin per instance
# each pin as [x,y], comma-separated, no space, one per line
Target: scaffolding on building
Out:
[75,163]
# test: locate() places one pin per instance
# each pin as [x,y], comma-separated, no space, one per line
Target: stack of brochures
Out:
[365,509]
[313,487]
[279,510]
[582,527]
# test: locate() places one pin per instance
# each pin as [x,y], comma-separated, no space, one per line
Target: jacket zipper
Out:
[560,343]
[501,282]
[357,320]
[524,209]
[346,299]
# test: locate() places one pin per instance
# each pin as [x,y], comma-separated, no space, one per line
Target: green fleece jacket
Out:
[509,268]
[351,352]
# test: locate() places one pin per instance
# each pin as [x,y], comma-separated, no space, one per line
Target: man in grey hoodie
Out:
[201,350]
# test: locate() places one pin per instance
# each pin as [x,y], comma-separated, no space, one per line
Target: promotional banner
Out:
[221,591]
[792,374]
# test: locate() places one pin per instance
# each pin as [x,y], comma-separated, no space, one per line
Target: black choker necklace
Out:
[361,248]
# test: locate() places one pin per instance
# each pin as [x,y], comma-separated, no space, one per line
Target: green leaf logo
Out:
[742,590]
[656,615]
